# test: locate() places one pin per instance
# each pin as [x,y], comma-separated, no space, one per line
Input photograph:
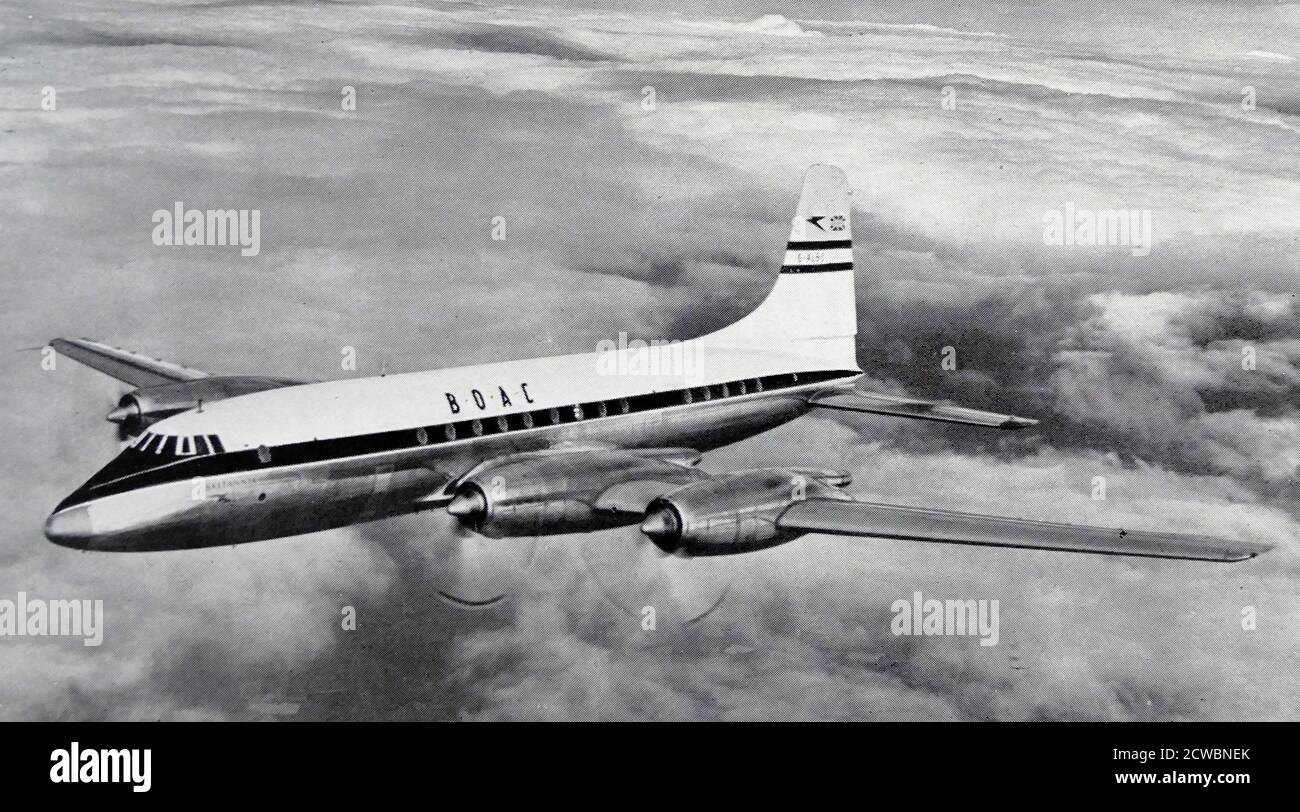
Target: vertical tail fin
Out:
[812,308]
[821,234]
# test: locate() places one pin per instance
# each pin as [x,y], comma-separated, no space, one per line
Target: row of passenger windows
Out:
[578,412]
[540,418]
[167,445]
[150,446]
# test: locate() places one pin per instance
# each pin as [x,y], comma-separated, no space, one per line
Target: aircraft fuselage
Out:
[260,488]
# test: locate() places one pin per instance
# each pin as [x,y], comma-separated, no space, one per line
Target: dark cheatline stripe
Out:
[814,245]
[830,266]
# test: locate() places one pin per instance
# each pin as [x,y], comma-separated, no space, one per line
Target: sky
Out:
[667,220]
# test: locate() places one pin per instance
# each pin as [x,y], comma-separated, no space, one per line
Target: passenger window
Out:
[503,424]
[422,436]
[758,384]
[528,420]
[477,428]
[577,411]
[263,454]
[602,410]
[166,445]
[742,388]
[449,431]
[215,442]
[555,417]
[201,445]
[624,406]
[686,396]
[185,446]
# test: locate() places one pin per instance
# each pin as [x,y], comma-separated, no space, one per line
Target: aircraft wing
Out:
[919,524]
[872,403]
[132,367]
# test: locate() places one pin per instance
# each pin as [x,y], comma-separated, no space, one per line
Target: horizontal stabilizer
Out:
[871,403]
[920,524]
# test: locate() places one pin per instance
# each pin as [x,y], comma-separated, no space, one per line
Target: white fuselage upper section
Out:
[360,406]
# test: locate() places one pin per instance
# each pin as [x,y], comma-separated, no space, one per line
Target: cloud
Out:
[1270,55]
[777,25]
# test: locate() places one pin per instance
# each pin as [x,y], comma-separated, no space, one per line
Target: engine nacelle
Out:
[544,493]
[735,513]
[138,410]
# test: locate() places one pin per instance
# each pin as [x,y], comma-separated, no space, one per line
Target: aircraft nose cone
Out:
[70,528]
[468,503]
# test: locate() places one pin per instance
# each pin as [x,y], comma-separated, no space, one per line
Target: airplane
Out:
[538,447]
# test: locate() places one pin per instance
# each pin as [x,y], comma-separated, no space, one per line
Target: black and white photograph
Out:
[559,361]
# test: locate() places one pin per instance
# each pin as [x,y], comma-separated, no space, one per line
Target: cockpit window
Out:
[169,446]
[152,450]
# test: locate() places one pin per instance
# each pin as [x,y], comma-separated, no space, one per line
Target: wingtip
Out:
[1016,423]
[61,342]
[1248,550]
